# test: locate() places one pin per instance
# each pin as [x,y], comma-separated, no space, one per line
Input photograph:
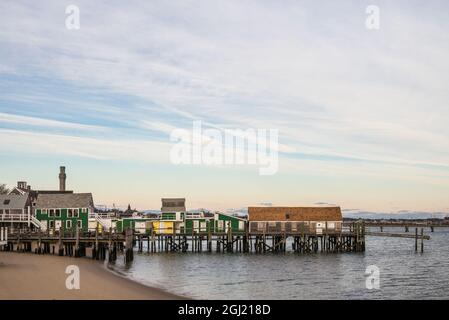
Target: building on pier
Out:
[140,225]
[295,220]
[171,205]
[225,223]
[16,211]
[56,211]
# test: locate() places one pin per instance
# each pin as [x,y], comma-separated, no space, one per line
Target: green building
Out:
[224,222]
[138,224]
[64,210]
[219,223]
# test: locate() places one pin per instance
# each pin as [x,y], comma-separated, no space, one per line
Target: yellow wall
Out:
[163,227]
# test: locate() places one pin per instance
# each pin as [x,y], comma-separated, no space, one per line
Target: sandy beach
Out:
[30,276]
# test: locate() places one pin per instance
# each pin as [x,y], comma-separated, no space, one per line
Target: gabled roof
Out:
[65,200]
[294,214]
[13,201]
[17,190]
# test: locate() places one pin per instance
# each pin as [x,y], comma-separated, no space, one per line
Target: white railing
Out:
[102,215]
[37,223]
[194,216]
[21,218]
[14,217]
[99,219]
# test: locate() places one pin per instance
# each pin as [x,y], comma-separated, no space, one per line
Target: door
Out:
[228,225]
[319,227]
[195,225]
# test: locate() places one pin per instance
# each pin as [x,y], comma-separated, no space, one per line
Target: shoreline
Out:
[27,276]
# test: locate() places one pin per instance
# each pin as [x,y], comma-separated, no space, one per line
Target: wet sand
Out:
[31,276]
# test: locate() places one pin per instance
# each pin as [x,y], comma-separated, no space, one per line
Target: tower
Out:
[62,177]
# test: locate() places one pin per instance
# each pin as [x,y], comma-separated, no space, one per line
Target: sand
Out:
[31,276]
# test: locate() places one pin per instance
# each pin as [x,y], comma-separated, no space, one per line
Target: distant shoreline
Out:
[42,277]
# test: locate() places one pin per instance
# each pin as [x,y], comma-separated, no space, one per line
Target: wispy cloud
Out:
[47,123]
[347,101]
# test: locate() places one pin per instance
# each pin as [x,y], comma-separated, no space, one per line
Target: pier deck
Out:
[107,244]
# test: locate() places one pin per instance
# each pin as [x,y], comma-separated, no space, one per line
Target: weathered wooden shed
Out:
[295,220]
[224,222]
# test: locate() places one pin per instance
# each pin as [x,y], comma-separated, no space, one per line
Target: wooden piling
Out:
[422,240]
[129,253]
[416,239]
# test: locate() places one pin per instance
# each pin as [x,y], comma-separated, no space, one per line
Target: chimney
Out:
[22,185]
[62,177]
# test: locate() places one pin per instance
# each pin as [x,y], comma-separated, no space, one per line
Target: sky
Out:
[362,114]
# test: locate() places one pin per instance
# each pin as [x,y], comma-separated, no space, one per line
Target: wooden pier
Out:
[108,245]
[407,226]
[73,243]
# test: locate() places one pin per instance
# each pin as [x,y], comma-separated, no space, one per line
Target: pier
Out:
[108,245]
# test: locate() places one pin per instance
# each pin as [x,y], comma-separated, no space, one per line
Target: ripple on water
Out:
[403,273]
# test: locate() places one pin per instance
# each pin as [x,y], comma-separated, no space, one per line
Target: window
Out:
[44,211]
[52,213]
[51,224]
[68,224]
[6,211]
[287,216]
[6,201]
[75,213]
[84,210]
[58,212]
[80,223]
[220,224]
[69,213]
[1,211]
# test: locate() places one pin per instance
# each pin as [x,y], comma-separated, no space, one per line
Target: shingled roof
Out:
[13,201]
[69,200]
[294,214]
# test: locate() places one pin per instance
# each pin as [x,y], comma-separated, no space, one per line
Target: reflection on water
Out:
[404,274]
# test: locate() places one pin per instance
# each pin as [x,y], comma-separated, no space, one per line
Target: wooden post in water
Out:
[416,239]
[129,254]
[422,240]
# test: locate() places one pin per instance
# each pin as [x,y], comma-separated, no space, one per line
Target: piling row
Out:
[108,245]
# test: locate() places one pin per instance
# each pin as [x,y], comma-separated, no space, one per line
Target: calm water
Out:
[404,274]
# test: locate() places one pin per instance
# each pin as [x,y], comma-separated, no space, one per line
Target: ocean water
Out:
[403,274]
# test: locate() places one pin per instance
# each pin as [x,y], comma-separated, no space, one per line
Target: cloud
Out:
[33,142]
[348,102]
[326,94]
[41,122]
[320,203]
